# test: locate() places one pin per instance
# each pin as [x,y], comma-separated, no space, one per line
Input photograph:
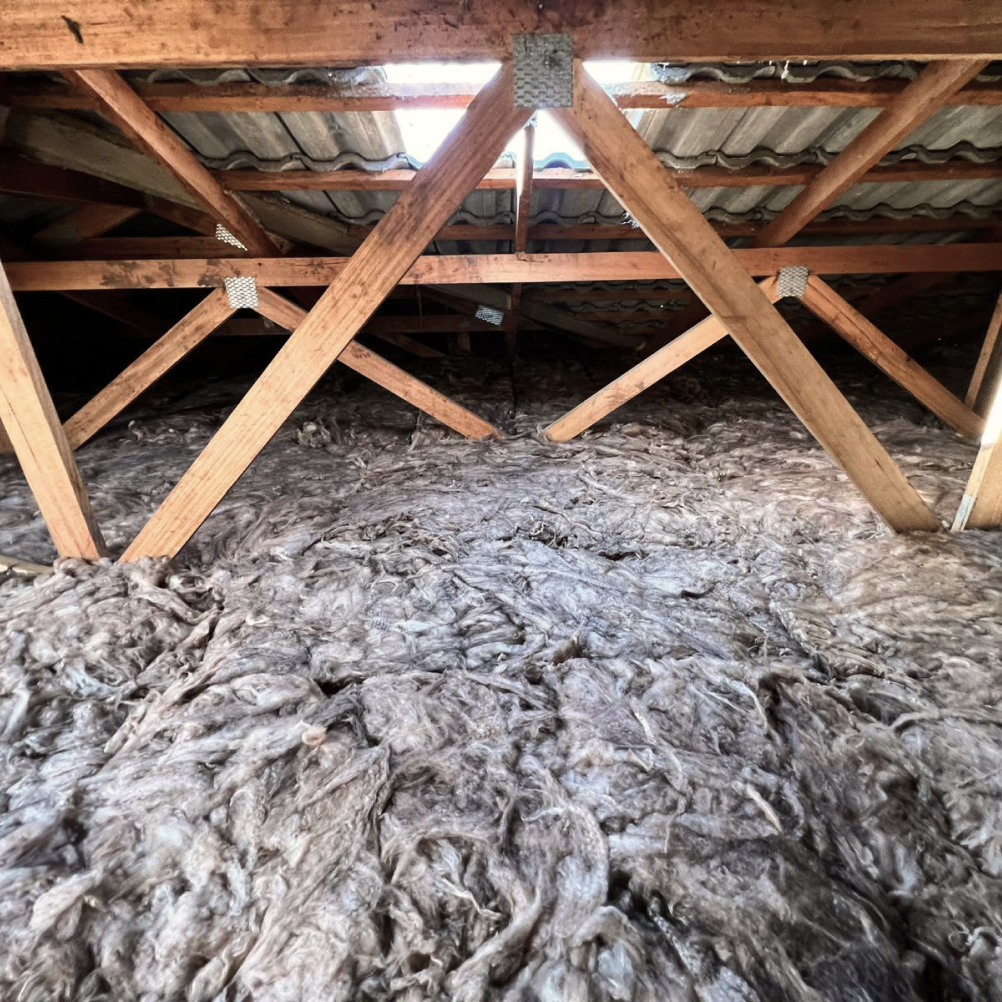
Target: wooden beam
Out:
[645,374]
[137,248]
[84,222]
[157,360]
[677,228]
[910,286]
[32,179]
[825,303]
[477,269]
[391,332]
[684,320]
[46,34]
[981,505]
[987,376]
[523,213]
[385,374]
[21,176]
[120,104]
[116,305]
[351,299]
[405,342]
[472,233]
[30,421]
[470,297]
[619,293]
[924,95]
[130,248]
[524,174]
[119,307]
[957,223]
[238,96]
[503,178]
[511,322]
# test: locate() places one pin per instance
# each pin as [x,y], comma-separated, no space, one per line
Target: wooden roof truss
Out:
[392,252]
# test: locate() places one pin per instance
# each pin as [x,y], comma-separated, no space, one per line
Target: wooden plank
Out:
[504,178]
[260,327]
[239,96]
[619,293]
[351,299]
[957,223]
[824,302]
[677,228]
[183,215]
[524,174]
[137,248]
[685,320]
[85,222]
[120,104]
[511,322]
[90,220]
[405,342]
[523,213]
[30,421]
[129,248]
[923,95]
[21,176]
[908,287]
[470,297]
[385,374]
[119,307]
[116,305]
[987,376]
[157,360]
[911,286]
[981,505]
[477,269]
[43,34]
[644,374]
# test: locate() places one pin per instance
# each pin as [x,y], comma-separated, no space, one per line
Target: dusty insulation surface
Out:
[659,714]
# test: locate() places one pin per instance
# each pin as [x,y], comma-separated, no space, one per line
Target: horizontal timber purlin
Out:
[648,95]
[503,178]
[127,248]
[473,269]
[40,34]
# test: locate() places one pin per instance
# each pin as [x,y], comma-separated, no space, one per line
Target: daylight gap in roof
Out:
[424,129]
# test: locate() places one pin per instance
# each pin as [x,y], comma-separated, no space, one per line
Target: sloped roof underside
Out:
[684,138]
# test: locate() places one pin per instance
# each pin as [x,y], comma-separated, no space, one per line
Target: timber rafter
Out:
[960,36]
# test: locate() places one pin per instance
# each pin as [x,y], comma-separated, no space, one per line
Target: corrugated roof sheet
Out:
[684,138]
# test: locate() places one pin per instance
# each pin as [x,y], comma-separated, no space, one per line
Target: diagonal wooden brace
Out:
[645,374]
[192,329]
[159,358]
[385,373]
[375,268]
[29,419]
[981,505]
[826,304]
[678,229]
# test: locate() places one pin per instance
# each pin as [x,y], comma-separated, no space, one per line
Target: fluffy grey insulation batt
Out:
[659,714]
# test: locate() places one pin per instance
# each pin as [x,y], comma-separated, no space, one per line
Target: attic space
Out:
[515,525]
